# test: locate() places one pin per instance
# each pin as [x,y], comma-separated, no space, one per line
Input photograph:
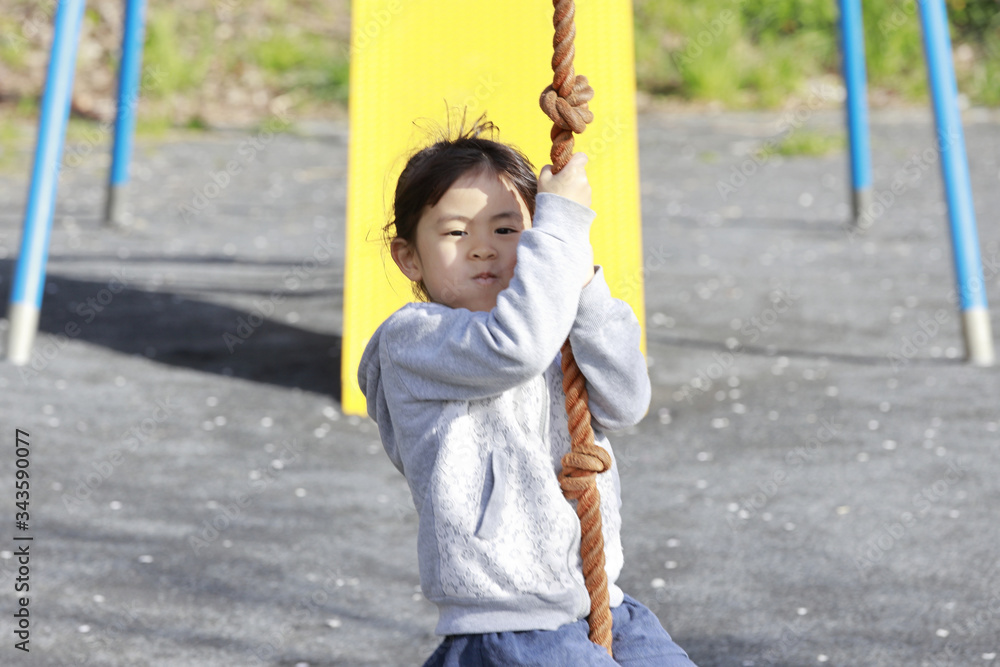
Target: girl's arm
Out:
[441,353]
[605,338]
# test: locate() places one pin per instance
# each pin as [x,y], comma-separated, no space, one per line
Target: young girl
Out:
[466,387]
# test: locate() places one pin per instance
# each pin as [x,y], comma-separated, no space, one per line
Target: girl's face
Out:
[466,244]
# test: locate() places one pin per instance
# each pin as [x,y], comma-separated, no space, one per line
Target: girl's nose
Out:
[483,249]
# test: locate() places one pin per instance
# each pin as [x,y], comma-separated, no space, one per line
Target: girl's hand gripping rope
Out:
[571,182]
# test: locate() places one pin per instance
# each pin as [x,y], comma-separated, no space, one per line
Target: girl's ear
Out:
[405,256]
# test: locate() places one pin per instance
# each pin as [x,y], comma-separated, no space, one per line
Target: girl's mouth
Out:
[485,278]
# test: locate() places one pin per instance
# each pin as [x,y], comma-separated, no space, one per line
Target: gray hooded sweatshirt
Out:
[470,408]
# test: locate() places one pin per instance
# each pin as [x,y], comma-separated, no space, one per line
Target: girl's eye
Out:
[507,230]
[455,232]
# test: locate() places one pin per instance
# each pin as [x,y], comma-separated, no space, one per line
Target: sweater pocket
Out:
[492,498]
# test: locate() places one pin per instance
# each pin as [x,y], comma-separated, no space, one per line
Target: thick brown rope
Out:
[579,482]
[565,102]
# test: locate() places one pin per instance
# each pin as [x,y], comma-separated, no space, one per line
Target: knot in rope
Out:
[579,468]
[569,112]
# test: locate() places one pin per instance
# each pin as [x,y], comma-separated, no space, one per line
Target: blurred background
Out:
[224,63]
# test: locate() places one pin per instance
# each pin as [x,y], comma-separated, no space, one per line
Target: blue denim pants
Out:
[637,640]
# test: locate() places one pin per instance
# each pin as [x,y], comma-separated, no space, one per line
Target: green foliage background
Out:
[756,53]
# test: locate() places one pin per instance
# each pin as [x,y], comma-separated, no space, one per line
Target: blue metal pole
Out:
[855,78]
[958,189]
[29,277]
[128,99]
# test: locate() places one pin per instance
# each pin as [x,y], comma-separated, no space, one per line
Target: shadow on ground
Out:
[178,330]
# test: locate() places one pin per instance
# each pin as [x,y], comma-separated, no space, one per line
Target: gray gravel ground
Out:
[816,482]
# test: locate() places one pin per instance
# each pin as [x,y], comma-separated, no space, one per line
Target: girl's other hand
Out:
[571,182]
